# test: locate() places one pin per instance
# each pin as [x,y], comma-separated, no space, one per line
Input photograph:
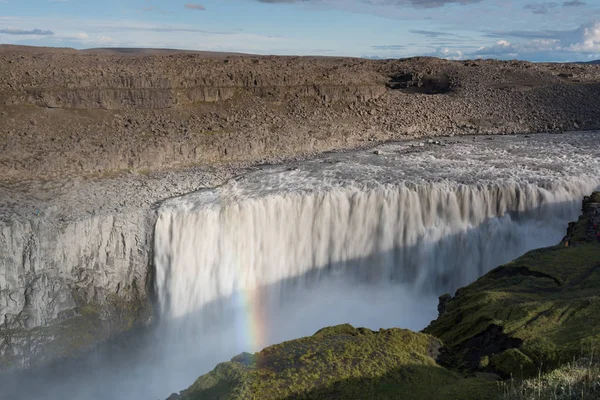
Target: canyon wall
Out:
[96,113]
[67,285]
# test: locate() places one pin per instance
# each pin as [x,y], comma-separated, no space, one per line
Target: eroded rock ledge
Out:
[76,261]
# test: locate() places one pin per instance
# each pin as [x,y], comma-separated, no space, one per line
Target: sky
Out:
[455,29]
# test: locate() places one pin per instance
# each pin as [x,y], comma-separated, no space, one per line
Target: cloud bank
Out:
[35,32]
[398,3]
[559,44]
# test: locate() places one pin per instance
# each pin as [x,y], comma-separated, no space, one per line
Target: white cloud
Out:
[106,40]
[447,53]
[563,45]
[588,39]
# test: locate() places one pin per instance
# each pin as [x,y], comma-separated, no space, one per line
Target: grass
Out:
[579,379]
[342,362]
[534,313]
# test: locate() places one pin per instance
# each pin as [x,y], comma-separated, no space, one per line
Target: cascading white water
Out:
[350,237]
[435,237]
[355,237]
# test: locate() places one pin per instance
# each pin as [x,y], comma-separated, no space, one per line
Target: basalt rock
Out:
[98,112]
[66,287]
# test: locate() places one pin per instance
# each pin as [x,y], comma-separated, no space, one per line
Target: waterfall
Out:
[434,237]
[282,251]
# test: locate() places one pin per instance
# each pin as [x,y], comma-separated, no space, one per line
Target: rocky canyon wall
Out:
[96,113]
[67,285]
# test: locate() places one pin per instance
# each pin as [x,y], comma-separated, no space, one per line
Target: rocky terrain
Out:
[92,141]
[66,112]
[520,320]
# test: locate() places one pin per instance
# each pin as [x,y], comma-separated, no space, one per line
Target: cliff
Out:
[93,113]
[66,287]
[76,261]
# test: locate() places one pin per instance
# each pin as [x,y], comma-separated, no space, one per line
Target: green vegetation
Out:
[579,379]
[342,363]
[530,315]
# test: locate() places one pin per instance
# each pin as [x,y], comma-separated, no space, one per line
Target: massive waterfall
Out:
[435,237]
[360,238]
[369,239]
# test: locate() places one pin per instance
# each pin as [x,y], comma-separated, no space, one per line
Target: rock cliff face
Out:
[76,260]
[91,81]
[69,112]
[54,274]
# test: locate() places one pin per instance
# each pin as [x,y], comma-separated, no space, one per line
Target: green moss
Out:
[578,379]
[546,304]
[484,362]
[513,363]
[344,363]
[344,329]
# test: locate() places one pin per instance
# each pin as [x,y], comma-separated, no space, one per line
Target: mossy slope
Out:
[341,362]
[534,313]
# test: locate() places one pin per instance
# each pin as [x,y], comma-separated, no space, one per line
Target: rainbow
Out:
[251,320]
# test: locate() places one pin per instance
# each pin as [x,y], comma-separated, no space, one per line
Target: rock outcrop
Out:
[65,287]
[340,362]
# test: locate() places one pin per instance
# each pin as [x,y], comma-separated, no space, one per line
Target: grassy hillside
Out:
[341,362]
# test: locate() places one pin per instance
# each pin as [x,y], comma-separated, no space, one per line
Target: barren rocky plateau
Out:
[99,112]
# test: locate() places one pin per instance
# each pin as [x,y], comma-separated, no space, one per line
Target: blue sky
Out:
[456,29]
